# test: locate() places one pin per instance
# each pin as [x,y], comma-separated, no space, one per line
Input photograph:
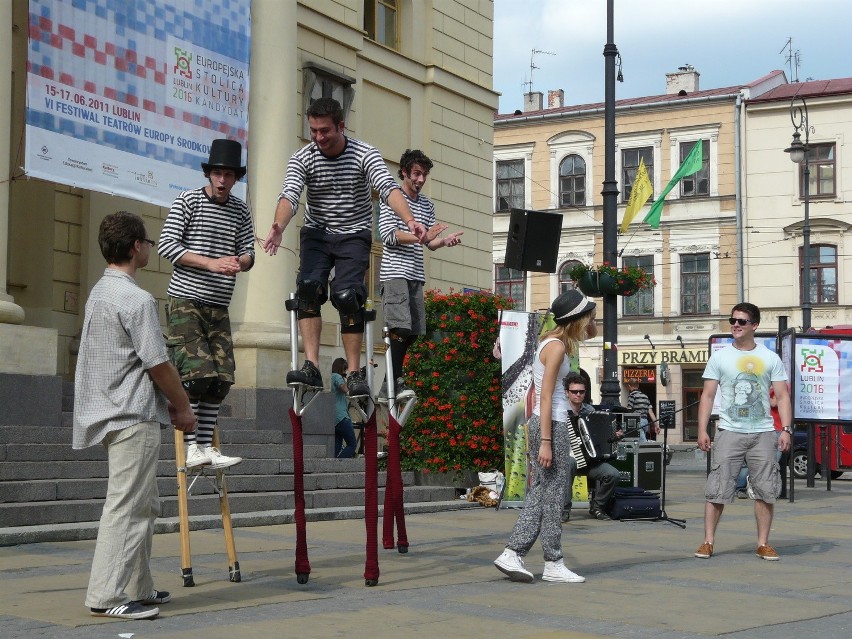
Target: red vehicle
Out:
[839,437]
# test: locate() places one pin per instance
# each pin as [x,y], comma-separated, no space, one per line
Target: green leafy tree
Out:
[457,424]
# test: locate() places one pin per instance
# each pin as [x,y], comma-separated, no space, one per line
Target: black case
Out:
[631,503]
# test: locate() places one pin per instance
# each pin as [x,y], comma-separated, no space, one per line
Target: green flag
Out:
[692,164]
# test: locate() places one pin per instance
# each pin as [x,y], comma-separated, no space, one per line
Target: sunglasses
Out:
[580,391]
[739,320]
[151,242]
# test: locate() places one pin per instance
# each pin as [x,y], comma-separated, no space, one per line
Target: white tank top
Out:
[560,405]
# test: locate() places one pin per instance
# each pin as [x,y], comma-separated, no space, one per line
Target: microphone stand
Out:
[663,516]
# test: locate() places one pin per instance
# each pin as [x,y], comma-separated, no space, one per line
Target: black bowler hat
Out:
[569,306]
[225,154]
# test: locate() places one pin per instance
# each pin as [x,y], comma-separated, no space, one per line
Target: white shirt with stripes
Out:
[404,261]
[339,198]
[198,224]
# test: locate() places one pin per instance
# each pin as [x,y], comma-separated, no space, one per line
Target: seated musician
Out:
[602,477]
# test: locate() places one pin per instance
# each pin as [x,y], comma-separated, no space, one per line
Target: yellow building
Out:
[552,158]
[415,74]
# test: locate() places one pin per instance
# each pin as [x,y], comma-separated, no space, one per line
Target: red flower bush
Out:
[457,424]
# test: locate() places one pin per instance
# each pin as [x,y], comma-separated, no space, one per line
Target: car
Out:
[800,456]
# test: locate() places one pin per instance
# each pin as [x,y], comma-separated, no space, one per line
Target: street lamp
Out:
[799,153]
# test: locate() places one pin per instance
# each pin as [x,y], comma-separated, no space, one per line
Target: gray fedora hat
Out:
[225,154]
[569,306]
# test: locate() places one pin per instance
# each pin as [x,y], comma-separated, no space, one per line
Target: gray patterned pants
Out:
[542,513]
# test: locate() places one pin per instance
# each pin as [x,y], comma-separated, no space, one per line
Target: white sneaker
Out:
[510,564]
[556,571]
[195,456]
[218,460]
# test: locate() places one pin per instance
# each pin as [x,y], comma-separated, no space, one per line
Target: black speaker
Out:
[533,240]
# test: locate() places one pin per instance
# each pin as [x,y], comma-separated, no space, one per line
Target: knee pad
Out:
[350,304]
[216,392]
[311,296]
[197,388]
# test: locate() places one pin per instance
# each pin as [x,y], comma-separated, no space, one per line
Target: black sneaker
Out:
[309,375]
[130,610]
[357,385]
[156,597]
[599,514]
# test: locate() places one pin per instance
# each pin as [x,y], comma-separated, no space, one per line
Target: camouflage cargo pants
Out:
[199,340]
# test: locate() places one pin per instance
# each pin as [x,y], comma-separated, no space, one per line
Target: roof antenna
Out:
[532,67]
[792,60]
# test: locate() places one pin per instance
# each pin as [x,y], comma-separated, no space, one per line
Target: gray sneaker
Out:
[308,375]
[357,384]
[403,392]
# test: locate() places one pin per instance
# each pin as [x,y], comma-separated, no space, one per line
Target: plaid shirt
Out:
[121,340]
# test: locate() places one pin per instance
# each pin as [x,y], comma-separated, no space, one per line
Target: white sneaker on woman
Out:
[510,564]
[556,571]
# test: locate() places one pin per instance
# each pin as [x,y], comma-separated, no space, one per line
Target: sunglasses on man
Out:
[739,320]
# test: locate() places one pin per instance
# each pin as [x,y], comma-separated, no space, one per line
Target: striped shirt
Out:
[638,402]
[339,196]
[121,339]
[404,260]
[198,224]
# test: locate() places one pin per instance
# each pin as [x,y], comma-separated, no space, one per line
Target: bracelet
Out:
[546,439]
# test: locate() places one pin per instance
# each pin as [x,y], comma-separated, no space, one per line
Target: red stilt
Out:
[303,566]
[394,502]
[371,501]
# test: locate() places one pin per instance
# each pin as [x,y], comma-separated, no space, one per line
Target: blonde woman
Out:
[549,444]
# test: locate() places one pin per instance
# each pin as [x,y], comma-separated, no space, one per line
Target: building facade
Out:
[553,159]
[774,218]
[410,75]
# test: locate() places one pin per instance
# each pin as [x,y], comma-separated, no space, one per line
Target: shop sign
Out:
[660,355]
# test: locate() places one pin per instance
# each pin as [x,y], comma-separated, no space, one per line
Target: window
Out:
[695,284]
[823,259]
[510,184]
[572,181]
[821,166]
[320,82]
[565,281]
[642,302]
[630,165]
[380,21]
[697,184]
[512,284]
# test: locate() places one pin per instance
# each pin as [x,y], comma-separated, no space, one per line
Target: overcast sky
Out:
[728,42]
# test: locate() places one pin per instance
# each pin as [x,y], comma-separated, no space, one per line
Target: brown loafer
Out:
[767,552]
[705,551]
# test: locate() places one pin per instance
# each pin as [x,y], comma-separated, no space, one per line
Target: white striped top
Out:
[404,260]
[339,196]
[198,224]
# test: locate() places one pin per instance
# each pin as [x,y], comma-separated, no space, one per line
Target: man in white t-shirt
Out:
[743,372]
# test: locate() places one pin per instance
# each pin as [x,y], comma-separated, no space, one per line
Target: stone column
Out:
[10,313]
[261,325]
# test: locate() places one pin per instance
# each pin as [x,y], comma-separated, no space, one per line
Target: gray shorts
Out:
[730,449]
[402,302]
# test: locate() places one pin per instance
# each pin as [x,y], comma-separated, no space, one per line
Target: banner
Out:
[823,366]
[125,97]
[518,342]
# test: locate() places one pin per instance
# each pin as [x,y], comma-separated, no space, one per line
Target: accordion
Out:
[593,438]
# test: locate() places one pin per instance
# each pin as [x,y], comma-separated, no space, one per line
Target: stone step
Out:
[21,452]
[89,510]
[76,489]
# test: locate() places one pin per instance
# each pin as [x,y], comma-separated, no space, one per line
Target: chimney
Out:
[555,99]
[533,101]
[683,81]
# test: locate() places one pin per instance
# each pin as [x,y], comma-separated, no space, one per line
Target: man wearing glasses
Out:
[602,477]
[744,372]
[209,237]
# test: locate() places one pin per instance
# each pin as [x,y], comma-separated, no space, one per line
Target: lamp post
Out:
[799,153]
[610,388]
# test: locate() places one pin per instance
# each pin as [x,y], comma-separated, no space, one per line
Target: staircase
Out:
[50,492]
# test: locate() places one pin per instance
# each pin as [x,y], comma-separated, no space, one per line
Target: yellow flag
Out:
[642,190]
